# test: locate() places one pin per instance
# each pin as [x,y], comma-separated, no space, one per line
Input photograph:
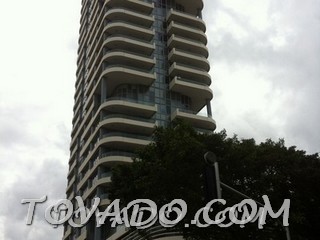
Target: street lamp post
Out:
[211,160]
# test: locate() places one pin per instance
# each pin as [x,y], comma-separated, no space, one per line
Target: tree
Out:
[170,168]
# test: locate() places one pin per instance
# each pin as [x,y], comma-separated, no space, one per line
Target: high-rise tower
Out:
[141,64]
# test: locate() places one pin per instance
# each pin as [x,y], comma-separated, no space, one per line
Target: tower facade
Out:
[141,64]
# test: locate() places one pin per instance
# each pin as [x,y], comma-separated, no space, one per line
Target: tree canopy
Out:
[170,168]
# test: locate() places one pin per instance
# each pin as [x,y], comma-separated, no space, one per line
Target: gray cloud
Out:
[27,172]
[284,54]
[14,125]
[48,179]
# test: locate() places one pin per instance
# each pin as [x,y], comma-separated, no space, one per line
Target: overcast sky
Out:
[265,68]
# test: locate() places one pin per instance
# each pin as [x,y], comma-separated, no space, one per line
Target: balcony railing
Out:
[191,67]
[189,81]
[106,174]
[190,53]
[128,135]
[185,13]
[129,67]
[189,39]
[104,196]
[129,23]
[117,153]
[190,112]
[131,10]
[128,117]
[130,37]
[140,101]
[119,50]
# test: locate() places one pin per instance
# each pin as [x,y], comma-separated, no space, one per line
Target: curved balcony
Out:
[126,43]
[188,72]
[116,75]
[88,120]
[188,45]
[188,58]
[73,150]
[124,141]
[144,108]
[122,74]
[129,29]
[109,159]
[119,56]
[70,183]
[186,32]
[187,19]
[137,5]
[117,122]
[122,42]
[104,180]
[97,15]
[73,165]
[198,93]
[130,107]
[128,59]
[194,119]
[104,201]
[121,123]
[70,196]
[94,30]
[117,14]
[96,37]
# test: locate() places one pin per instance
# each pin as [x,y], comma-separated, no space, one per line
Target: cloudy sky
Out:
[265,68]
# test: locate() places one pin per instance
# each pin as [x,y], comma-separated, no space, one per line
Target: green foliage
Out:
[169,168]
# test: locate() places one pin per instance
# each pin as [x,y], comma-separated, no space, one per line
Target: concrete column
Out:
[99,175]
[103,90]
[97,231]
[100,148]
[209,111]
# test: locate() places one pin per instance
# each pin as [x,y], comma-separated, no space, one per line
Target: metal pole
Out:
[240,193]
[216,169]
[286,228]
[287,232]
[211,159]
